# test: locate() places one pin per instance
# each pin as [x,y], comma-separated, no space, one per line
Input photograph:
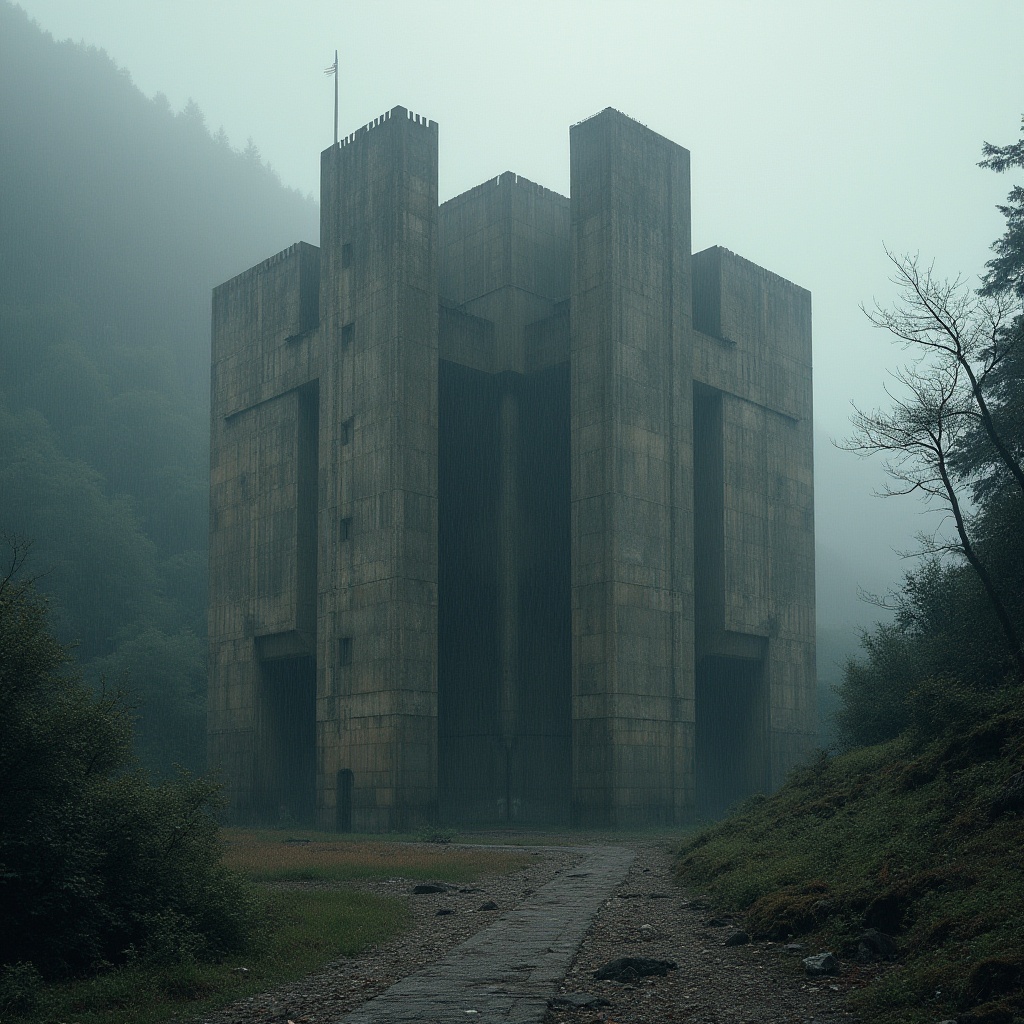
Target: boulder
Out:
[629,968]
[821,964]
[739,938]
[875,945]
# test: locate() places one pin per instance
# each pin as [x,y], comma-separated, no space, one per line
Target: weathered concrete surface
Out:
[508,971]
[511,502]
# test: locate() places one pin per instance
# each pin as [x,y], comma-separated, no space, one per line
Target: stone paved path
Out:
[508,971]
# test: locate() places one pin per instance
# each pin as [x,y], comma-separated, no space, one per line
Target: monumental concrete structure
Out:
[511,501]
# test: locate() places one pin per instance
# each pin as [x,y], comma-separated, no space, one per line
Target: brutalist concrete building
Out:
[512,503]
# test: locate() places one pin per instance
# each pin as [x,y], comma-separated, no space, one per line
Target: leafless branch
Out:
[958,339]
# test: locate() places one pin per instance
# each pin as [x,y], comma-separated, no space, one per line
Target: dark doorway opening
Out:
[470,759]
[730,732]
[504,598]
[542,760]
[288,728]
[343,797]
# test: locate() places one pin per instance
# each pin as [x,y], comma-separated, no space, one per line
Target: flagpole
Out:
[336,76]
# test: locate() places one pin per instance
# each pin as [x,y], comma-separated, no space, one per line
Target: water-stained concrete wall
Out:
[630,310]
[511,501]
[504,649]
[377,707]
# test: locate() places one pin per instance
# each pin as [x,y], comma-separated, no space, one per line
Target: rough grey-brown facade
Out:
[511,501]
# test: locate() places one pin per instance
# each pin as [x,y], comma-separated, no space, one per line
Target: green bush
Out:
[97,865]
[21,988]
[940,664]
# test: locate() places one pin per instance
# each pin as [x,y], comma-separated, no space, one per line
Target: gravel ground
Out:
[648,915]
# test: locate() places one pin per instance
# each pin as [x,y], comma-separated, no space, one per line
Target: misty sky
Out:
[818,131]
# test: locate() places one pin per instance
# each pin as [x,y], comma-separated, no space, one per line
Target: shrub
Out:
[96,864]
[21,988]
[940,664]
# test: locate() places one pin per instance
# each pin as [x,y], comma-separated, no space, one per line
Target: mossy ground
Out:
[922,841]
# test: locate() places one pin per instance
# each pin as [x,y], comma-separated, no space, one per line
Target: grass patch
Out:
[923,843]
[269,856]
[304,930]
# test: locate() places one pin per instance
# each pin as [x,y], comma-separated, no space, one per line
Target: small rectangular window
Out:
[346,255]
[346,431]
[344,651]
[345,528]
[348,335]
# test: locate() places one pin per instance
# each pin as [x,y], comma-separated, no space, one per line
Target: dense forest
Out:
[117,218]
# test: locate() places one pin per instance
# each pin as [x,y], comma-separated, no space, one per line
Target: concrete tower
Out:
[511,501]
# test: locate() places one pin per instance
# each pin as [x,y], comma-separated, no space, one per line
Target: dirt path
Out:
[507,971]
[646,914]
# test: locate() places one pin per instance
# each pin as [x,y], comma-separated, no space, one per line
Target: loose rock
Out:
[425,888]
[577,1001]
[745,983]
[629,968]
[874,944]
[821,964]
[739,938]
[489,905]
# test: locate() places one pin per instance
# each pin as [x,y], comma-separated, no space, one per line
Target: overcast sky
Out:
[818,131]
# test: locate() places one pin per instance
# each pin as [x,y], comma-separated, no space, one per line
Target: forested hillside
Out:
[902,854]
[117,218]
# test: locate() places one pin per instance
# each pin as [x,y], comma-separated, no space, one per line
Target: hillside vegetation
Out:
[117,218]
[903,854]
[923,843]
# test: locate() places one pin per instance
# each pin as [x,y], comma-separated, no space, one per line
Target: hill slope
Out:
[925,844]
[117,217]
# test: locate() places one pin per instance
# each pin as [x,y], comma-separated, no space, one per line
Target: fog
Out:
[818,133]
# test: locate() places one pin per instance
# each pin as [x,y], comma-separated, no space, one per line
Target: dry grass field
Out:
[277,856]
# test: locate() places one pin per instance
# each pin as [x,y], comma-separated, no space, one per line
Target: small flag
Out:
[332,69]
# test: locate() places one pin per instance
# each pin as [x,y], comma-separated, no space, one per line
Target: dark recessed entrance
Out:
[287,765]
[504,605]
[730,728]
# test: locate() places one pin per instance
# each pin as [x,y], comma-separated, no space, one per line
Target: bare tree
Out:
[955,325]
[958,339]
[13,582]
